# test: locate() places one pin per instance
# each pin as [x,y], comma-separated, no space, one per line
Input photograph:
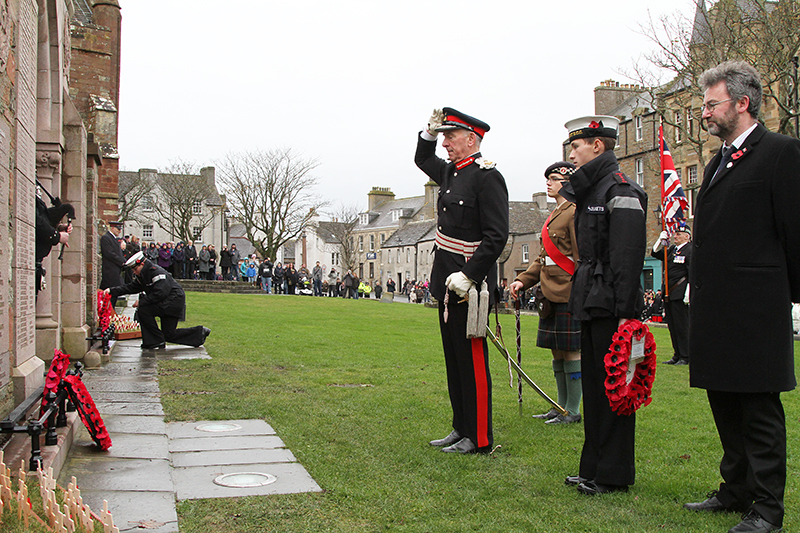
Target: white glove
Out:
[663,238]
[686,295]
[459,283]
[437,117]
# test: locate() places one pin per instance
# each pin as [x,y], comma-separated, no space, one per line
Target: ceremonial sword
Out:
[522,373]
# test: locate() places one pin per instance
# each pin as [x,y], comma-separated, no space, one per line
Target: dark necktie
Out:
[726,157]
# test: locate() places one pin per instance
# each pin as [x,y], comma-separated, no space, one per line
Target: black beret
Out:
[565,168]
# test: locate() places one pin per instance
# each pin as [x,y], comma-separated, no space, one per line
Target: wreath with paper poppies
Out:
[104,309]
[628,391]
[88,411]
[58,369]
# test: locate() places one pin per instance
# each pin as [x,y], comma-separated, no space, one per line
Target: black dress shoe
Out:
[561,419]
[574,480]
[206,333]
[672,361]
[154,346]
[709,505]
[549,415]
[592,488]
[681,362]
[754,523]
[463,446]
[452,438]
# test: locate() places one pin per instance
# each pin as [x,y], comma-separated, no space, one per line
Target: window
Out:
[398,255]
[691,196]
[678,127]
[197,207]
[363,219]
[692,171]
[408,255]
[197,233]
[396,214]
[334,259]
[525,253]
[637,121]
[679,173]
[640,171]
[371,269]
[147,231]
[372,243]
[389,254]
[360,243]
[689,121]
[383,238]
[147,205]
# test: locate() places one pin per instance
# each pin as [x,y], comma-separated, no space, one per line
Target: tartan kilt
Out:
[559,331]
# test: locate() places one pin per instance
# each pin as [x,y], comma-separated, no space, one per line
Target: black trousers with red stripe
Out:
[468,380]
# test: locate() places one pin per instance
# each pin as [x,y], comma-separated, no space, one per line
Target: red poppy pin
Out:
[738,154]
[594,124]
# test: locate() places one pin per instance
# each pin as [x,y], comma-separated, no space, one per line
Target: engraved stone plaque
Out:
[25,306]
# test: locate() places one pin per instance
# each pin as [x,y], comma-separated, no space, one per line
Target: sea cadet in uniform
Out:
[610,213]
[159,296]
[472,229]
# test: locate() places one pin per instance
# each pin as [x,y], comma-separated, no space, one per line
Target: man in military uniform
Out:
[606,292]
[113,258]
[161,296]
[676,260]
[472,229]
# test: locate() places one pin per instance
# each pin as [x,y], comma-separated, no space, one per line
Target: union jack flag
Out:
[673,202]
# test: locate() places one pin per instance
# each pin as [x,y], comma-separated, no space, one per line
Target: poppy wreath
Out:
[625,398]
[104,309]
[88,411]
[58,369]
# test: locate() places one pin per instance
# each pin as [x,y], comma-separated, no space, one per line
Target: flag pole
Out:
[665,297]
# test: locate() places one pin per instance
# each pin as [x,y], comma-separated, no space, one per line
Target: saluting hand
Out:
[437,117]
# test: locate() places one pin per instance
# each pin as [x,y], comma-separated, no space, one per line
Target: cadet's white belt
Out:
[548,261]
[456,246]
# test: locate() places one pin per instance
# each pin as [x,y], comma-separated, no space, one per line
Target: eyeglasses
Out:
[548,179]
[712,105]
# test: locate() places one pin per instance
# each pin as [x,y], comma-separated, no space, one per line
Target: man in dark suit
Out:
[746,234]
[472,229]
[676,259]
[113,258]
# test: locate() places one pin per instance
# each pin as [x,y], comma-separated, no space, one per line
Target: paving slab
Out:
[182,430]
[94,384]
[136,511]
[225,443]
[231,457]
[140,369]
[106,473]
[126,397]
[112,408]
[139,424]
[198,482]
[124,445]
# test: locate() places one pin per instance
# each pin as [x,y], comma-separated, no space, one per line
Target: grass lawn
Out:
[356,389]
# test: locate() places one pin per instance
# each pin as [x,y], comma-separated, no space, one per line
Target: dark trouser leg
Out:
[151,333]
[752,430]
[608,448]
[678,318]
[468,380]
[188,336]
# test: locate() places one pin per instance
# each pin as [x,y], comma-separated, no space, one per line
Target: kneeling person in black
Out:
[161,296]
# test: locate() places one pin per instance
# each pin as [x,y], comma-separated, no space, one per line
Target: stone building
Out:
[46,135]
[525,221]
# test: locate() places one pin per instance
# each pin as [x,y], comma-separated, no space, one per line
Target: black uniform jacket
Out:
[159,288]
[677,269]
[610,213]
[745,269]
[112,261]
[472,206]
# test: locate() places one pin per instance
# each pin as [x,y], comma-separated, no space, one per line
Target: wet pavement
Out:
[151,464]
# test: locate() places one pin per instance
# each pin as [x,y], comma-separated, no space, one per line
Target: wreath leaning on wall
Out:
[628,388]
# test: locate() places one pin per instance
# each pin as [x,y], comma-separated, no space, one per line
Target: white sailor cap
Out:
[136,259]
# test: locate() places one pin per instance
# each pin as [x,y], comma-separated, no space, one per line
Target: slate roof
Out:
[214,198]
[326,233]
[381,217]
[238,236]
[411,234]
[526,217]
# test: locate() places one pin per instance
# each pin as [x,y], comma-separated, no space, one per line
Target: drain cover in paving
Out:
[245,480]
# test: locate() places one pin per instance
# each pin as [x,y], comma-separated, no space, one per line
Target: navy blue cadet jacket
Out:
[472,206]
[610,213]
[159,288]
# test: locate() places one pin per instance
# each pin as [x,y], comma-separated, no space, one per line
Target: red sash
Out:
[567,264]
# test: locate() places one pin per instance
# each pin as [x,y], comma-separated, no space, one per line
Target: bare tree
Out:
[339,232]
[184,200]
[271,193]
[762,33]
[134,188]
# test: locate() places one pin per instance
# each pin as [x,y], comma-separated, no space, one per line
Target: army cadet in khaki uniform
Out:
[558,330]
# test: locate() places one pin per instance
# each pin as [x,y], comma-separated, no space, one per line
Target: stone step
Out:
[237,287]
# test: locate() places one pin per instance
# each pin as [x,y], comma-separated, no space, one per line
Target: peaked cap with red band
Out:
[454,120]
[592,126]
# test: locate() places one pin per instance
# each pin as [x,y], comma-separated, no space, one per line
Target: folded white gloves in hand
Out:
[437,117]
[459,283]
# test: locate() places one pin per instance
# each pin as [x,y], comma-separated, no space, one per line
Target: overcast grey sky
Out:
[351,82]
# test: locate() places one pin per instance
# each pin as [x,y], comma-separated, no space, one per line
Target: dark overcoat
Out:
[745,269]
[113,259]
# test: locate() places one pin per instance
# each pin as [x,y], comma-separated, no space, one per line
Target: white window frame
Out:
[372,243]
[678,124]
[639,166]
[691,177]
[526,255]
[147,231]
[197,207]
[638,125]
[147,203]
[197,233]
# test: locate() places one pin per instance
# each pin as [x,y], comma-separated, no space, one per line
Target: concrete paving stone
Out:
[232,457]
[126,397]
[138,424]
[181,430]
[111,408]
[198,482]
[136,511]
[225,443]
[95,384]
[104,473]
[126,369]
[124,445]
